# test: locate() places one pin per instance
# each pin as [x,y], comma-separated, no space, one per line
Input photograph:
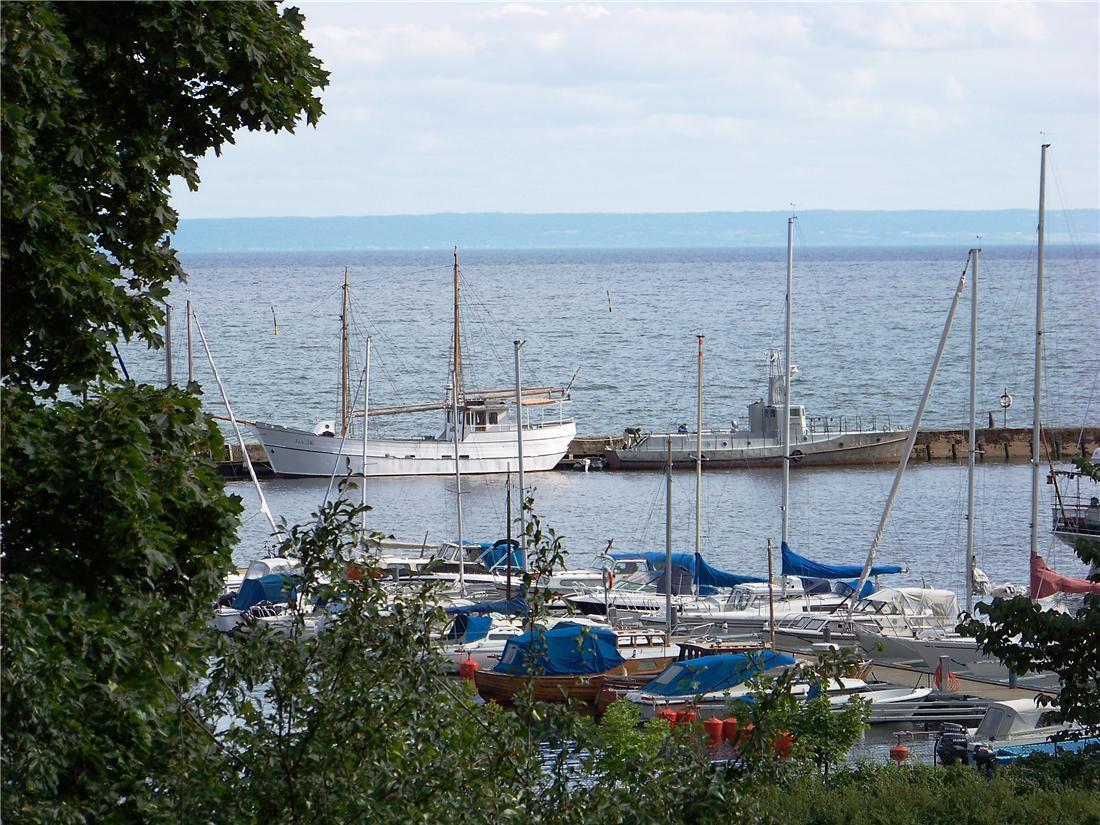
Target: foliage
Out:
[822,735]
[103,103]
[919,794]
[116,536]
[116,529]
[1028,639]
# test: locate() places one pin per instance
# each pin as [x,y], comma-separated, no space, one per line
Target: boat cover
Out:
[564,650]
[515,606]
[919,601]
[702,573]
[1045,582]
[274,587]
[705,674]
[498,555]
[796,565]
[468,628]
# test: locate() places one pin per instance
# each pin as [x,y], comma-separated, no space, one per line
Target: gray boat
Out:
[816,441]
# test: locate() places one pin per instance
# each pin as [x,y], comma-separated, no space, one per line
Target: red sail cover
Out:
[1045,582]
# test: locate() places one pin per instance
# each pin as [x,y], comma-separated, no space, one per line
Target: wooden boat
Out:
[573,662]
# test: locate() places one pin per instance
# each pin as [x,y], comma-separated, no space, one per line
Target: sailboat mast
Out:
[190,351]
[785,506]
[699,453]
[457,365]
[345,359]
[458,488]
[167,345]
[517,344]
[366,418]
[972,450]
[907,450]
[668,538]
[1036,427]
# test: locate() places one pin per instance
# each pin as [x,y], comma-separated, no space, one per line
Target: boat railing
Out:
[841,424]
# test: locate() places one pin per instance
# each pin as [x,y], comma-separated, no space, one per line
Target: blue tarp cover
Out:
[517,606]
[274,587]
[796,565]
[565,650]
[467,628]
[710,673]
[498,555]
[702,573]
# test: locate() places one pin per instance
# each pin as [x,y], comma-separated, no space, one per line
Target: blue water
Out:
[866,325]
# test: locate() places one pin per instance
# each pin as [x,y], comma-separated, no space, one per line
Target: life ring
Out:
[796,455]
[608,579]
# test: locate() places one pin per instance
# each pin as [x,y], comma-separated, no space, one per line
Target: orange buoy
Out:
[899,753]
[669,715]
[355,572]
[782,745]
[713,727]
[468,669]
[729,729]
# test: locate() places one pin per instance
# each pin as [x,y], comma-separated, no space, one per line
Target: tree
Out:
[103,104]
[1029,639]
[116,529]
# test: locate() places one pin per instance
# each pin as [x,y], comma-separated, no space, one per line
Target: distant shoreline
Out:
[704,230]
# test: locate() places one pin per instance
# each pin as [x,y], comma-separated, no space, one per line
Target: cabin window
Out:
[492,418]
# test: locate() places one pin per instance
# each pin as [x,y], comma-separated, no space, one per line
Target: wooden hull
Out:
[503,687]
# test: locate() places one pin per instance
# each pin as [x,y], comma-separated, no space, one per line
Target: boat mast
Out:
[167,345]
[698,458]
[784,507]
[345,359]
[458,488]
[1036,427]
[240,438]
[972,451]
[519,447]
[190,352]
[366,414]
[456,368]
[907,451]
[668,539]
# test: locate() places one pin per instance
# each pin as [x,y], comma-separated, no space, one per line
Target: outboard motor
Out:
[952,745]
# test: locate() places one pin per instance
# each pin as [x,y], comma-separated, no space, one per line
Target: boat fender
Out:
[608,579]
[796,455]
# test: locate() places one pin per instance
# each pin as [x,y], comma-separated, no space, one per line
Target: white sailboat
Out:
[493,429]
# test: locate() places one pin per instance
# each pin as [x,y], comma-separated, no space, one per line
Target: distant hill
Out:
[491,230]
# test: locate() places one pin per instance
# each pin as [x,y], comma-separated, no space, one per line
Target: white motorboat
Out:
[481,433]
[747,609]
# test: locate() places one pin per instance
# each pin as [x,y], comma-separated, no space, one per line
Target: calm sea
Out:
[621,324]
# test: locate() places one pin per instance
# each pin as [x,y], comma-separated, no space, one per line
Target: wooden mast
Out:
[457,366]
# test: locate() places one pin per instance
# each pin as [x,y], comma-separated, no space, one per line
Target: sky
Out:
[679,107]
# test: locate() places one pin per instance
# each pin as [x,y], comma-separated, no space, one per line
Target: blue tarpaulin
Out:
[517,605]
[467,628]
[565,650]
[710,673]
[702,573]
[274,587]
[499,556]
[796,565]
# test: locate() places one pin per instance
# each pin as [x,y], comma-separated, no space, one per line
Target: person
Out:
[1092,514]
[683,428]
